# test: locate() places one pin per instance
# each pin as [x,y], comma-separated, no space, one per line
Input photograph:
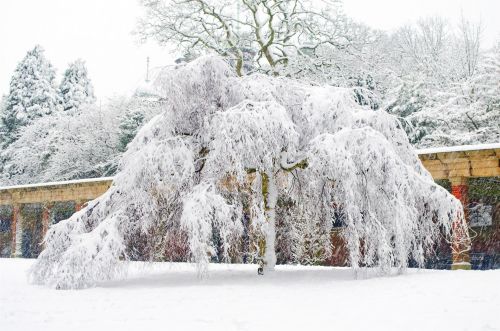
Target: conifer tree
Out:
[76,88]
[129,125]
[32,93]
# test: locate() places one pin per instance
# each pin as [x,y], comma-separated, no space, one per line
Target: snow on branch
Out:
[205,211]
[250,135]
[392,212]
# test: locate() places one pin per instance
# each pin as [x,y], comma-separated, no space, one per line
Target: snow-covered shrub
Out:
[225,146]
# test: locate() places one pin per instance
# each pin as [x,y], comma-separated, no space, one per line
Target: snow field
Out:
[233,297]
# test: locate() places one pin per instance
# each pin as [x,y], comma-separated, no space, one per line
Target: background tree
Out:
[76,144]
[263,35]
[469,45]
[32,93]
[439,81]
[64,146]
[76,88]
[135,112]
[129,125]
[488,80]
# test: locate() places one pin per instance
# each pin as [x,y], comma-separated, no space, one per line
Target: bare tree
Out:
[469,44]
[256,35]
[424,47]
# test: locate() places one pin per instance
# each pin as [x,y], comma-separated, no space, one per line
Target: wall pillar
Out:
[79,205]
[460,251]
[46,212]
[16,227]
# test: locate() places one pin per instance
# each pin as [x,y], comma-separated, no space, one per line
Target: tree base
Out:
[461,266]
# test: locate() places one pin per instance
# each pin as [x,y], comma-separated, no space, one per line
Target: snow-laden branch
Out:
[205,211]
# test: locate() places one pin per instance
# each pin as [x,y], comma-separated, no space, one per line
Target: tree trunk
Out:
[267,248]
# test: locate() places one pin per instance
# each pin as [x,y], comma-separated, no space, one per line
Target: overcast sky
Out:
[99,31]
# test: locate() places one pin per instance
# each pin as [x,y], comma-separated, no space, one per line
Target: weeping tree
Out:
[227,146]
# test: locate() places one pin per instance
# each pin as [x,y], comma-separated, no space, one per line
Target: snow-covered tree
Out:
[469,45]
[275,37]
[3,128]
[32,93]
[221,136]
[469,111]
[441,84]
[62,146]
[486,83]
[76,88]
[129,125]
[427,47]
[136,111]
[82,142]
[408,100]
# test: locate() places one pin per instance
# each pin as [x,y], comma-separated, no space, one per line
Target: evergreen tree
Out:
[3,129]
[129,125]
[407,101]
[76,88]
[140,108]
[32,93]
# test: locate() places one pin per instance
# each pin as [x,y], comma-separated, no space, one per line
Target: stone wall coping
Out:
[462,148]
[56,184]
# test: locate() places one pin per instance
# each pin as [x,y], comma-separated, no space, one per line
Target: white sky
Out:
[390,14]
[99,31]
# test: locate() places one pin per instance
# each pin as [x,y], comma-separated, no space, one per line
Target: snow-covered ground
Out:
[170,297]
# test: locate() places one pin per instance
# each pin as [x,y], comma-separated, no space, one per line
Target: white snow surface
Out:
[233,297]
[462,148]
[64,182]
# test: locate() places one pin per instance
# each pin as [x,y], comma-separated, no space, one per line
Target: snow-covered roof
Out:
[66,182]
[463,148]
